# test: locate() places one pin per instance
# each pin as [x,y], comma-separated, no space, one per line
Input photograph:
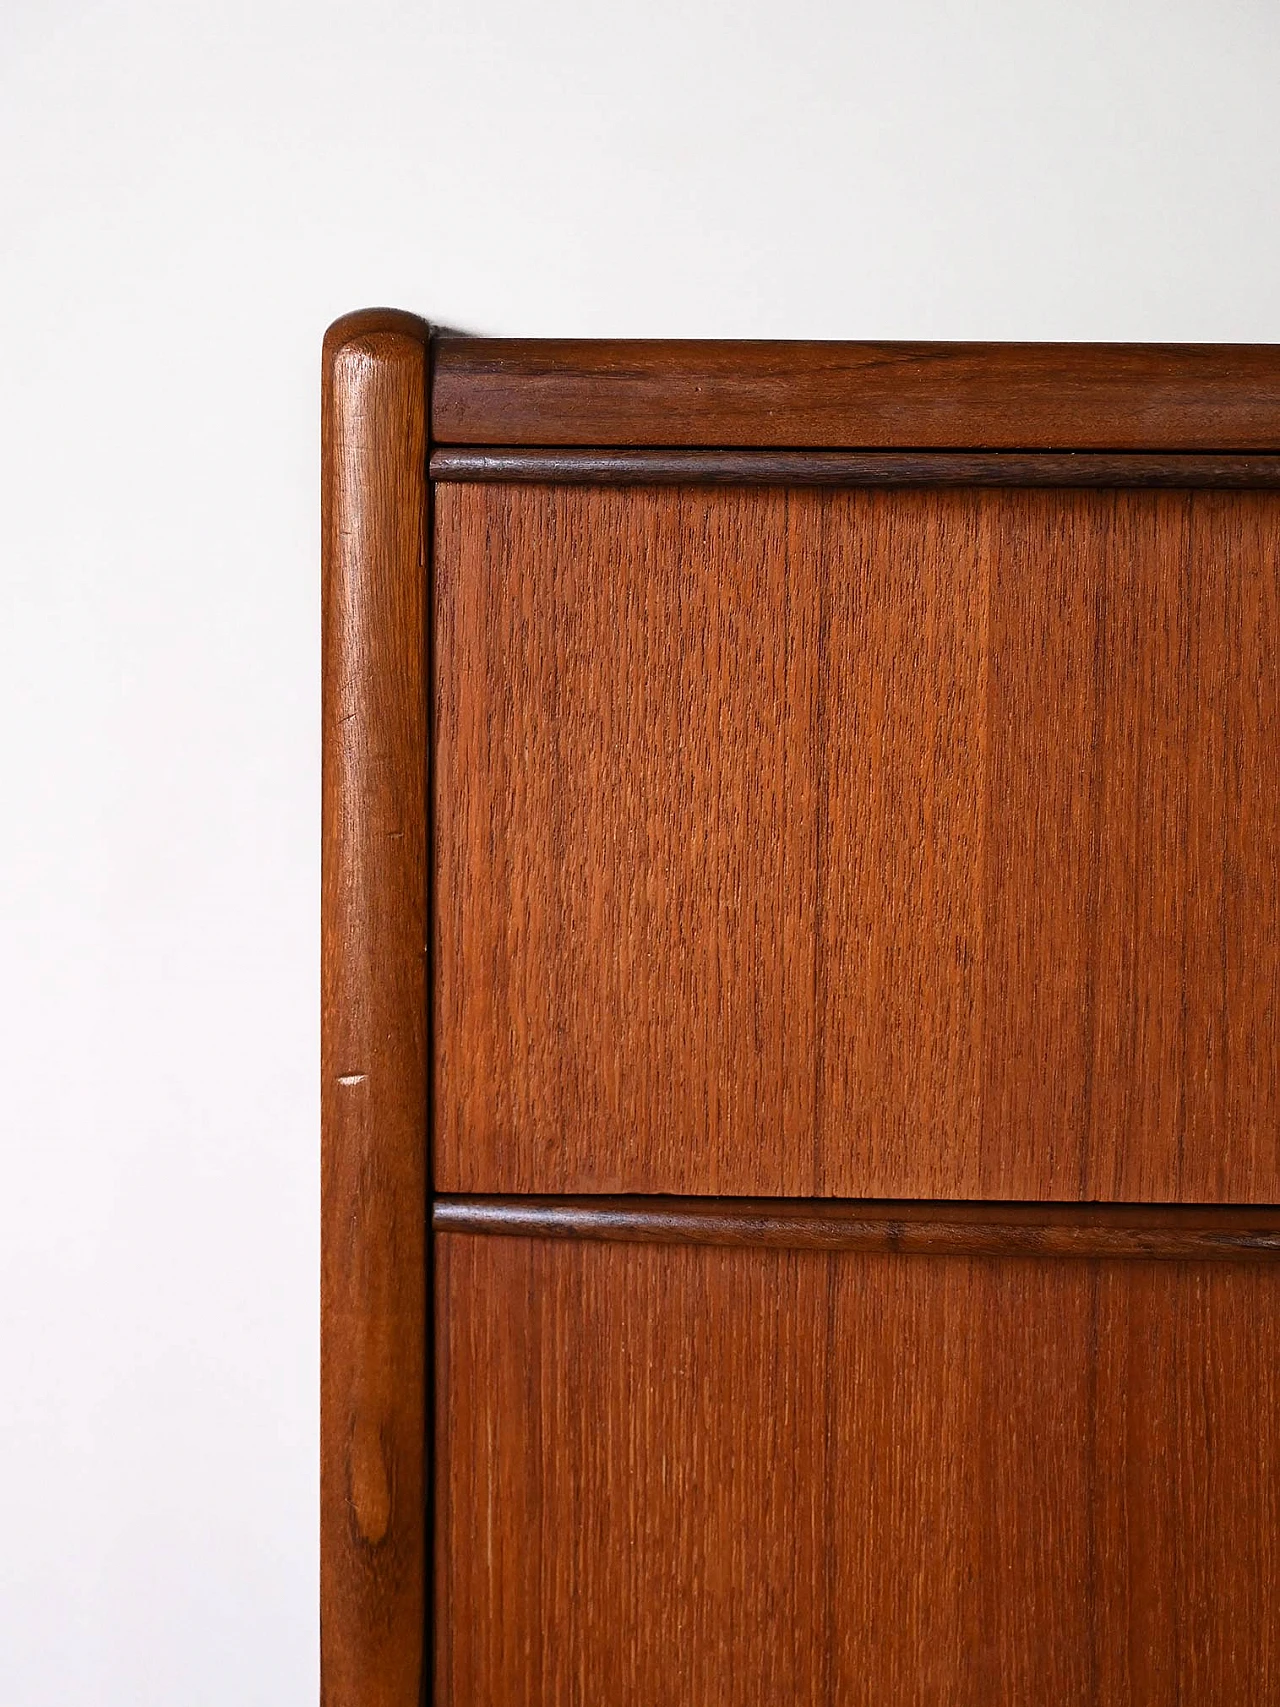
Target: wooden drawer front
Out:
[865,843]
[669,1476]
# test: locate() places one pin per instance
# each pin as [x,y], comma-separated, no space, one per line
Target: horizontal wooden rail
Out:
[1110,397]
[552,465]
[1230,1234]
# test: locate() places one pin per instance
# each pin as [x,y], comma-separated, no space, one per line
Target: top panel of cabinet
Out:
[1084,397]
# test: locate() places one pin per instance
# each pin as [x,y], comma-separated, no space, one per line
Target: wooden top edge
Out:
[566,465]
[365,323]
[1097,1230]
[809,395]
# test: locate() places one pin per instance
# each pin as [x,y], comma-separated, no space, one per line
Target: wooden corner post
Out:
[373,1384]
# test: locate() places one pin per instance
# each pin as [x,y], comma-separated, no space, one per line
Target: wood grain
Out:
[565,466]
[374,1012]
[1111,397]
[890,820]
[1115,1231]
[860,844]
[675,1474]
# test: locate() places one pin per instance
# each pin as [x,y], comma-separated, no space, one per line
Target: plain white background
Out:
[189,194]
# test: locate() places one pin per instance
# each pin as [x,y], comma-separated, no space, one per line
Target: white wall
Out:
[189,193]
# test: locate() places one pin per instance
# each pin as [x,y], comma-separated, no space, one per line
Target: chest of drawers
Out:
[802,1057]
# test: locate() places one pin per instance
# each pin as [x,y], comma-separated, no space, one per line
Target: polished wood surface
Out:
[967,1229]
[554,391]
[689,1474]
[374,1012]
[543,464]
[845,839]
[859,844]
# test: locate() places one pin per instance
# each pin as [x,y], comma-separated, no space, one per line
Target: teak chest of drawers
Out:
[801,1023]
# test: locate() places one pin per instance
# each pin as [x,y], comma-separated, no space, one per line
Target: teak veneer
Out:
[1111,397]
[801,1043]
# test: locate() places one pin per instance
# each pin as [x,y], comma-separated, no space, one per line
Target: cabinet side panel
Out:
[374,1011]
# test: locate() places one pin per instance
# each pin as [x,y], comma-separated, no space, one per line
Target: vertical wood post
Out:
[373,1477]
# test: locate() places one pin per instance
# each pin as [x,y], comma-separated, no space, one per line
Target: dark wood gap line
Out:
[1231,1233]
[550,465]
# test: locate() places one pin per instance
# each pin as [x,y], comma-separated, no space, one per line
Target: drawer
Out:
[694,1474]
[877,843]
